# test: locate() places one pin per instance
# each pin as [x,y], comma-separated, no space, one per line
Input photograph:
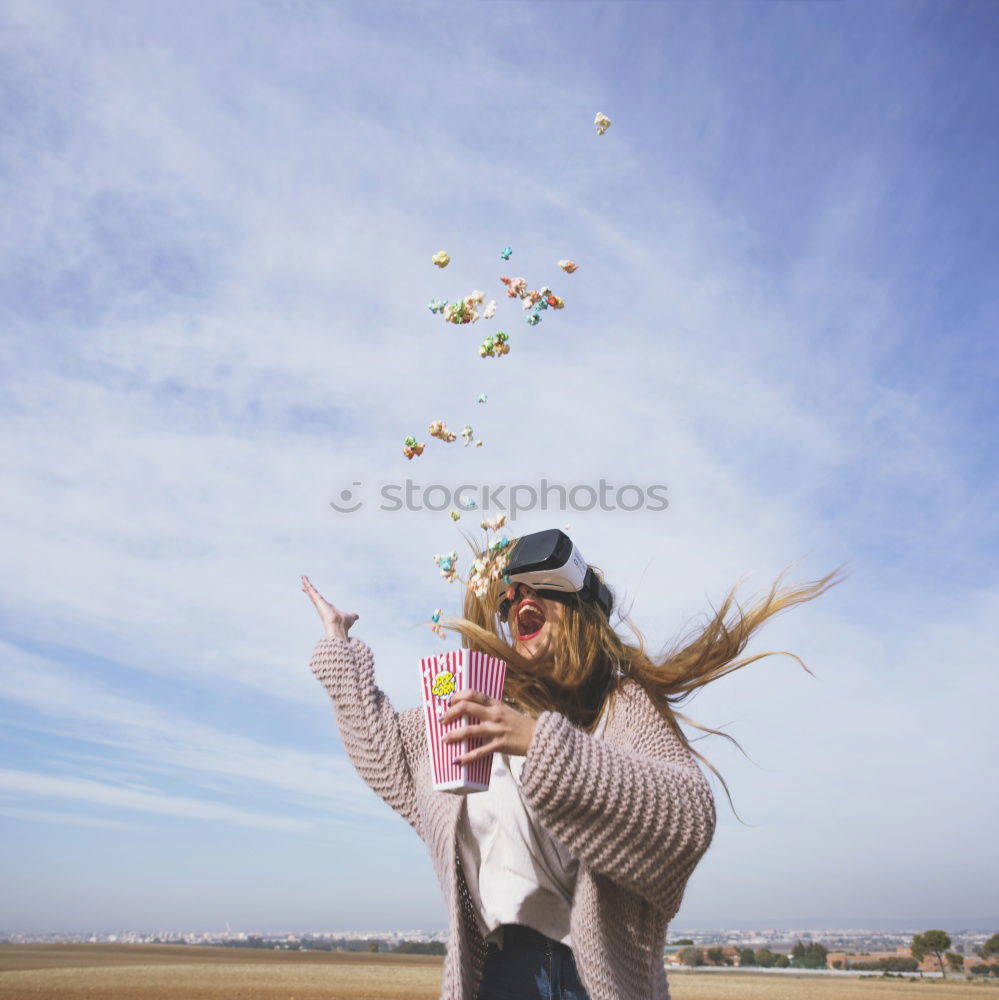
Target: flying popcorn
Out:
[515,287]
[490,567]
[466,310]
[445,563]
[438,429]
[441,259]
[602,123]
[495,346]
[410,448]
[436,627]
[458,312]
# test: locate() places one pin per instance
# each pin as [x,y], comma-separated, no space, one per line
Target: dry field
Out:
[181,972]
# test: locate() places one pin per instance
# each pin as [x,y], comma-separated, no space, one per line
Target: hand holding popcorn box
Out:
[442,676]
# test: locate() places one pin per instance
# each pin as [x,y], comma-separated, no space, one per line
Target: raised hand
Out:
[336,623]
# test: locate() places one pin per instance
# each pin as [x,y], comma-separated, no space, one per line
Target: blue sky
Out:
[214,270]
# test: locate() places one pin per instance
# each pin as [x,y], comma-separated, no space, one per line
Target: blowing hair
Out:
[586,662]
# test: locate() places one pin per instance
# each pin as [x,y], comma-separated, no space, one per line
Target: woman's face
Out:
[530,619]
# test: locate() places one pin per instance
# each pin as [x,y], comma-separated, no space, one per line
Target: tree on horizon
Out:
[691,957]
[934,942]
[811,957]
[765,958]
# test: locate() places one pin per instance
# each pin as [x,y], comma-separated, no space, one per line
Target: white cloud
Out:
[164,743]
[95,793]
[68,819]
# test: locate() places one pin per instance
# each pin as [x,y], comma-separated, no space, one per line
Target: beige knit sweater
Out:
[633,807]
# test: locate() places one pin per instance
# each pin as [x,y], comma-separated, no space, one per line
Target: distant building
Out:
[729,955]
[848,960]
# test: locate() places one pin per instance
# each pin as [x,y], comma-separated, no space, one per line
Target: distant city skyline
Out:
[835,937]
[802,927]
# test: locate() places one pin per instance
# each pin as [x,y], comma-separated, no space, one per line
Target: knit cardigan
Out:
[632,806]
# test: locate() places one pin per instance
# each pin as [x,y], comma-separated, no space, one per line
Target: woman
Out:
[561,879]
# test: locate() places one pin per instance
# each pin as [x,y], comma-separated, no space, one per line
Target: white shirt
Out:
[516,871]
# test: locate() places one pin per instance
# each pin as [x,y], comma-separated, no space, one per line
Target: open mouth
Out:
[530,620]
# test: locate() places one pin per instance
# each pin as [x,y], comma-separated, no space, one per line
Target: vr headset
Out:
[550,563]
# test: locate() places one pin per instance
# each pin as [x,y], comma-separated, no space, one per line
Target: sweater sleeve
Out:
[372,731]
[643,820]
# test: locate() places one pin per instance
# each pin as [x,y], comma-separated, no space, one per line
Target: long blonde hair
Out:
[587,662]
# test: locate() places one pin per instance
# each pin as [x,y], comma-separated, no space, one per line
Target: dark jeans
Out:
[530,966]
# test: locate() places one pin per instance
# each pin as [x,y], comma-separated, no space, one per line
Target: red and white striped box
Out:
[442,676]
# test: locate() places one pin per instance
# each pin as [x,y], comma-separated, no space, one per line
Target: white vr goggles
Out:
[550,563]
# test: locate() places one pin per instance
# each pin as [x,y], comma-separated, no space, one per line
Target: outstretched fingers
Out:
[311,591]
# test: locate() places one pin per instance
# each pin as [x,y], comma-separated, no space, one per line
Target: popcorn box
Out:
[442,676]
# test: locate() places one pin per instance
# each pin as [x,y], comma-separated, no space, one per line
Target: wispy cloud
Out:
[172,744]
[68,819]
[96,793]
